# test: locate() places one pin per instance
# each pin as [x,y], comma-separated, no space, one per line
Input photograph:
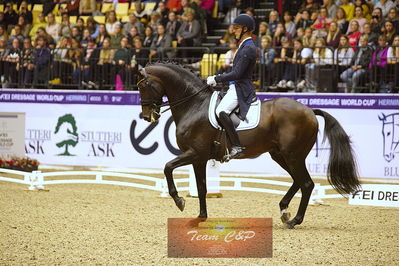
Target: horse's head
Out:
[151,93]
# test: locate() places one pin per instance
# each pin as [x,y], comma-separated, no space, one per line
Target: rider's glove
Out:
[211,81]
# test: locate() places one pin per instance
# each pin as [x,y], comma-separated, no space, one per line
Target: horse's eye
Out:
[388,134]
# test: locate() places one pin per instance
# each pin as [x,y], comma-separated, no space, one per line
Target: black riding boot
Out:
[236,149]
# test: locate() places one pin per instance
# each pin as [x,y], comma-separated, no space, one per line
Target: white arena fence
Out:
[36,180]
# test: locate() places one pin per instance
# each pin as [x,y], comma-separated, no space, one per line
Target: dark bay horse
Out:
[287,130]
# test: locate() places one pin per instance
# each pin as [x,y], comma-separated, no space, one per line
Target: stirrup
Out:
[235,152]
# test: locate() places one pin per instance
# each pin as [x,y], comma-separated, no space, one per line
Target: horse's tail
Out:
[342,170]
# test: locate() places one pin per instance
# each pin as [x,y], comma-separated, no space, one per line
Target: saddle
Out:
[251,121]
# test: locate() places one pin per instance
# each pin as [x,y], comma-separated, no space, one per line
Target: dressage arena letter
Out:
[220,238]
[376,195]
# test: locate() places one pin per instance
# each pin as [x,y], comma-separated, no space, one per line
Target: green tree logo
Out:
[71,134]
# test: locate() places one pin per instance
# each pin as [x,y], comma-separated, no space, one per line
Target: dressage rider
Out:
[241,91]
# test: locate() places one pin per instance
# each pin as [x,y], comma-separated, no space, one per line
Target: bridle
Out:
[156,102]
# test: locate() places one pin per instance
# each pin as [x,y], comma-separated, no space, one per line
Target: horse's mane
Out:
[196,79]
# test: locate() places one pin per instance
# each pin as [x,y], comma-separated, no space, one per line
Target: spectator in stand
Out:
[300,33]
[25,28]
[321,24]
[161,43]
[85,74]
[229,35]
[102,35]
[85,38]
[309,5]
[302,56]
[2,22]
[358,65]
[62,67]
[173,25]
[207,5]
[40,24]
[174,5]
[53,28]
[322,55]
[25,64]
[41,32]
[17,34]
[148,36]
[289,24]
[10,15]
[229,57]
[111,23]
[331,8]
[80,24]
[263,31]
[189,33]
[139,57]
[74,54]
[11,61]
[359,18]
[379,61]
[41,62]
[122,59]
[372,36]
[285,71]
[105,64]
[376,20]
[140,12]
[117,37]
[154,21]
[76,34]
[132,34]
[343,54]
[340,18]
[133,22]
[333,35]
[308,39]
[93,27]
[3,52]
[349,9]
[163,10]
[385,6]
[393,51]
[279,34]
[365,8]
[65,25]
[267,56]
[389,31]
[354,33]
[72,7]
[87,7]
[25,12]
[273,20]
[394,18]
[303,21]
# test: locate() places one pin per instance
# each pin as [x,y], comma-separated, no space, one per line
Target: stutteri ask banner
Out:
[105,129]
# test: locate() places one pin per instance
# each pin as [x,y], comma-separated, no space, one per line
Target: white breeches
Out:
[229,101]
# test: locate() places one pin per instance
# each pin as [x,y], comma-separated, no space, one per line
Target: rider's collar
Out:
[243,41]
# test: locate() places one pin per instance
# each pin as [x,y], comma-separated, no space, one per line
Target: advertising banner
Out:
[105,129]
[12,134]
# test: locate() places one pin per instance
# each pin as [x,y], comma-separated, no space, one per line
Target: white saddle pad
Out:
[251,121]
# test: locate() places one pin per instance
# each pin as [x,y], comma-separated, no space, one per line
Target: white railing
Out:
[37,180]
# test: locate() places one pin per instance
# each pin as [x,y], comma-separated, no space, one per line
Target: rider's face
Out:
[237,31]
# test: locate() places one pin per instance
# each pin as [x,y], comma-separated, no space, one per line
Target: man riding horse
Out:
[241,91]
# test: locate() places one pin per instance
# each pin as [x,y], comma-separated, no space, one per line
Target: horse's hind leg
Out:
[200,176]
[302,178]
[285,201]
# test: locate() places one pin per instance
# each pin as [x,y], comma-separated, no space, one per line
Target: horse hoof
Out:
[180,203]
[285,217]
[202,216]
[290,225]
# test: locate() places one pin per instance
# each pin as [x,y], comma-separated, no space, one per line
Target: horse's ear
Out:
[143,72]
[383,117]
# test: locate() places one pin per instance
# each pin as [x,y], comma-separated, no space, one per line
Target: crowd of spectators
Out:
[84,50]
[352,41]
[81,42]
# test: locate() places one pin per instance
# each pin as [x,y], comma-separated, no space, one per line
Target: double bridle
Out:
[156,102]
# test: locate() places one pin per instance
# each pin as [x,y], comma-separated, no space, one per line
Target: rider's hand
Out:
[211,81]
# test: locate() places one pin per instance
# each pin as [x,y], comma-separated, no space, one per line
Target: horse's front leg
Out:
[183,159]
[200,177]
